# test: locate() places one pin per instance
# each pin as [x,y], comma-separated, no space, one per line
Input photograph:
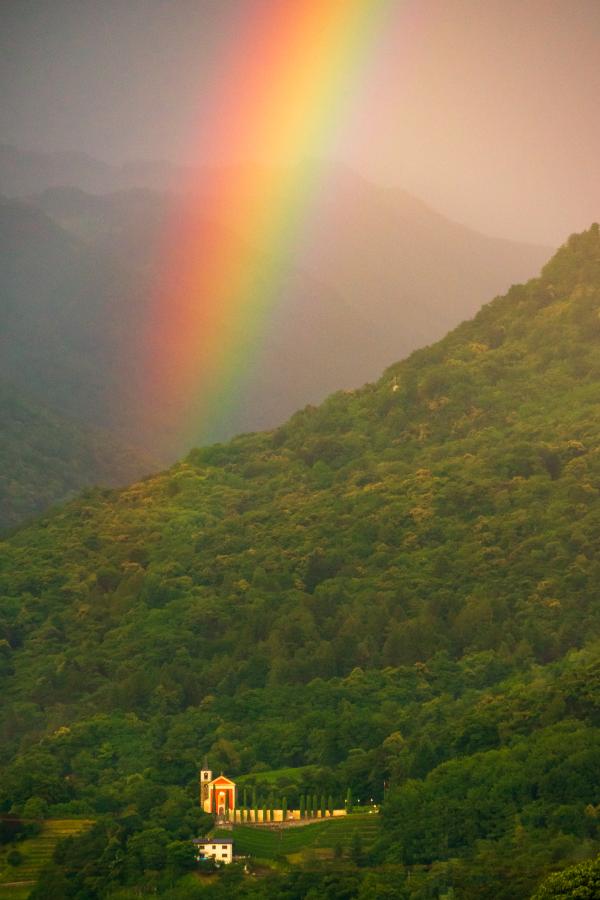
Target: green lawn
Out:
[268,843]
[273,775]
[36,851]
[15,893]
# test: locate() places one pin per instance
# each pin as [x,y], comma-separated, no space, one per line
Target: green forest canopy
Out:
[398,586]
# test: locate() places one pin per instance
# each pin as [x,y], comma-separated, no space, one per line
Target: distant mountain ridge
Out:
[26,172]
[378,275]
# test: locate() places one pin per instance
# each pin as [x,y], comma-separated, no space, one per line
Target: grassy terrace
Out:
[266,843]
[275,775]
[17,881]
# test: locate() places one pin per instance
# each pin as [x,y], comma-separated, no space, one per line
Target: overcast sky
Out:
[487,109]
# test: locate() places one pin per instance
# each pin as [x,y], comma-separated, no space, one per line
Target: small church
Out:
[217,795]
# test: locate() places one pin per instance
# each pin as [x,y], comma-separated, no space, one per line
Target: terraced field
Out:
[264,843]
[17,881]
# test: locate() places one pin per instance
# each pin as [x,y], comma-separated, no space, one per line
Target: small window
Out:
[214,846]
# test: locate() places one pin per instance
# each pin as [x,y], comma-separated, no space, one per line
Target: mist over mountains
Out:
[83,247]
[25,172]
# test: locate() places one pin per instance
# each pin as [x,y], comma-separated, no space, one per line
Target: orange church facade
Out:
[217,795]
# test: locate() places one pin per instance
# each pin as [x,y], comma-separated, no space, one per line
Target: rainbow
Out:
[285,87]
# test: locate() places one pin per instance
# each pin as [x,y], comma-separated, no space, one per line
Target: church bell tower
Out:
[205,780]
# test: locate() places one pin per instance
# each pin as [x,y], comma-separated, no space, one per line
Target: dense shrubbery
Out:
[399,586]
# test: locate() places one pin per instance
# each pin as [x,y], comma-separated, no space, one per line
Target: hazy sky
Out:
[488,109]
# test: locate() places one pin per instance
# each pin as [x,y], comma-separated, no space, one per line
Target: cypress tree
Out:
[271,807]
[349,800]
[323,806]
[330,805]
[284,809]
[302,806]
[315,805]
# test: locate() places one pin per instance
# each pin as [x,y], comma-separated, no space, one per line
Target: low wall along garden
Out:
[268,816]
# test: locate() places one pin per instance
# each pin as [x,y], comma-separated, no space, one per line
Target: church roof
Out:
[221,780]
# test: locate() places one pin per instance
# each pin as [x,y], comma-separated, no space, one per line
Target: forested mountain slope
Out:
[401,584]
[46,458]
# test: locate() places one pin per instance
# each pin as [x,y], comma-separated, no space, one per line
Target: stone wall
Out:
[293,815]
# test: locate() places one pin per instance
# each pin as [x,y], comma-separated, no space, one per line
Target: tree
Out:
[323,808]
[348,802]
[35,808]
[52,885]
[581,881]
[150,847]
[302,806]
[181,856]
[330,805]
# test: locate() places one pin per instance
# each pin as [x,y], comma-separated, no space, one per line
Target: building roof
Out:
[212,841]
[223,780]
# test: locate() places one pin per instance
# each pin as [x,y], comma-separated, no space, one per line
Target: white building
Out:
[219,849]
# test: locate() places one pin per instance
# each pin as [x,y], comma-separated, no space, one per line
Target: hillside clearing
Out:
[17,881]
